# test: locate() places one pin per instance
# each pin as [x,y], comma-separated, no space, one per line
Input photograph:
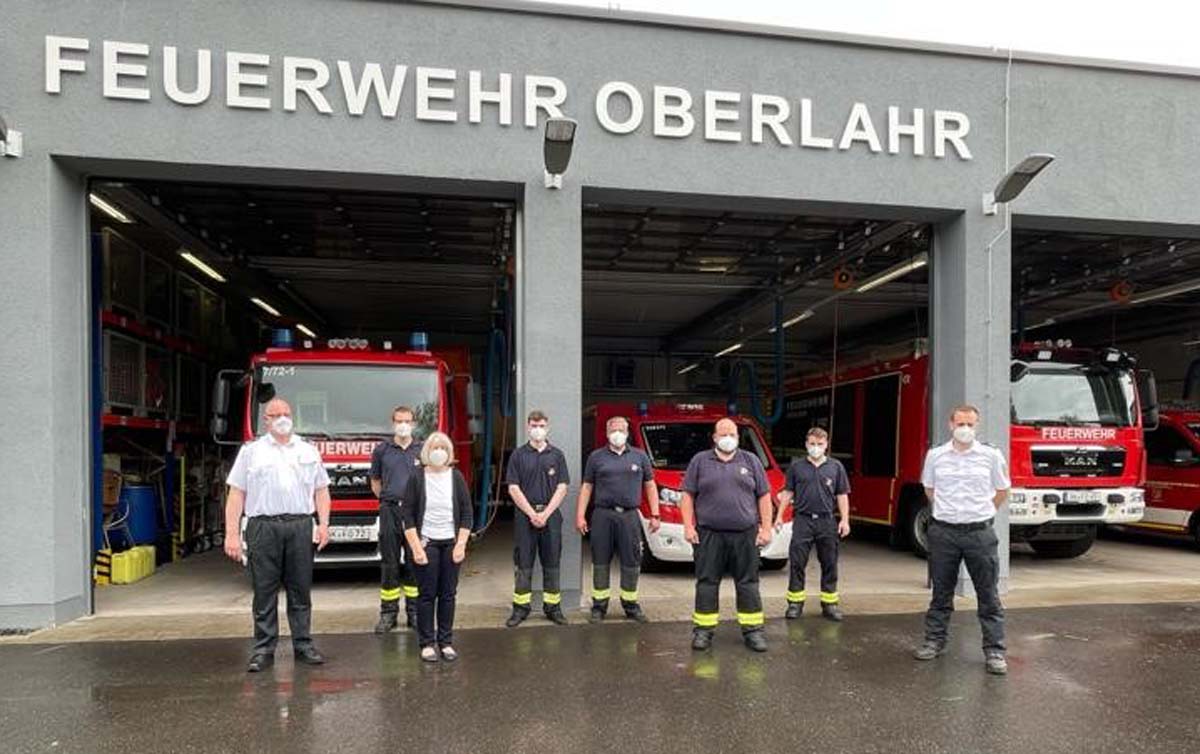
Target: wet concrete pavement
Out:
[1095,679]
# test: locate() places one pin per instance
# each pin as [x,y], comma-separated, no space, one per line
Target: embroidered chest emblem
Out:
[633,467]
[551,472]
[743,470]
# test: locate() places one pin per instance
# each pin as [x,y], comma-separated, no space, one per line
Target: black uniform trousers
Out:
[438,580]
[809,531]
[976,545]
[396,577]
[280,553]
[532,544]
[734,553]
[615,530]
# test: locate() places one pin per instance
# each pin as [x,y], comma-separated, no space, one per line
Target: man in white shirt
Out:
[279,481]
[965,481]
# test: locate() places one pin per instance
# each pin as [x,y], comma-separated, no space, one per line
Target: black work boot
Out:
[518,615]
[702,639]
[794,610]
[831,611]
[554,614]
[756,640]
[260,662]
[633,611]
[387,621]
[597,614]
[410,613]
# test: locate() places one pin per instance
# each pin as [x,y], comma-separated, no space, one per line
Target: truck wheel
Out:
[916,528]
[650,564]
[1063,548]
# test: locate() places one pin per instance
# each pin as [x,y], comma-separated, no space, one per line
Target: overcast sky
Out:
[1154,31]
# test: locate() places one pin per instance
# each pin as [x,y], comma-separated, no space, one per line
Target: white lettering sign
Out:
[260,81]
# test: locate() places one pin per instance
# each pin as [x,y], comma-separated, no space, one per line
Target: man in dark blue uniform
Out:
[537,482]
[726,511]
[618,475]
[817,486]
[392,463]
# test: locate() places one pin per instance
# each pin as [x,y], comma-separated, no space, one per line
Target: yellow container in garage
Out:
[133,564]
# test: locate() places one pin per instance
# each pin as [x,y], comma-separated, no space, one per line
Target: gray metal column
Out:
[549,340]
[970,325]
[45,368]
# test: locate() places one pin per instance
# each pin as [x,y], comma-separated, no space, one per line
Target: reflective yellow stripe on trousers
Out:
[522,599]
[706,620]
[389,595]
[750,619]
[797,596]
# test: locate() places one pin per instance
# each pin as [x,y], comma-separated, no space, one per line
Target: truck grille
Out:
[1078,462]
[349,481]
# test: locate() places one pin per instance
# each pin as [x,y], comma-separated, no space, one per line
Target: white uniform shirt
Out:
[965,482]
[278,478]
[439,505]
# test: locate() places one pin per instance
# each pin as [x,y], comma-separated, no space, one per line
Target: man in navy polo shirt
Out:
[816,487]
[726,511]
[537,481]
[617,476]
[392,463]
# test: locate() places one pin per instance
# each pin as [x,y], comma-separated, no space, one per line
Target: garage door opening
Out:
[787,321]
[346,303]
[1136,298]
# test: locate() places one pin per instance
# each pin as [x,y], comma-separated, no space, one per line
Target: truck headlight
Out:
[1138,497]
[1016,498]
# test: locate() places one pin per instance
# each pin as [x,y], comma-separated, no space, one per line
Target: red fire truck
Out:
[671,434]
[1077,458]
[1173,472]
[342,392]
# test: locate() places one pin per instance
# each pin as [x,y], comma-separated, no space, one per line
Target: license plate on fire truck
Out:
[1082,496]
[354,533]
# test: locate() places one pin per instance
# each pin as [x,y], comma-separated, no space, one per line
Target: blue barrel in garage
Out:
[141,500]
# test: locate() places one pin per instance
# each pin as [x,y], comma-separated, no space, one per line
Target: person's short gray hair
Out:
[613,419]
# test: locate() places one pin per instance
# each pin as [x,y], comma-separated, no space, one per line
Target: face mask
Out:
[402,429]
[727,443]
[617,439]
[438,457]
[538,434]
[964,434]
[282,425]
[816,451]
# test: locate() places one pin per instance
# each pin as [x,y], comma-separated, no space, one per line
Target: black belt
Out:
[973,526]
[806,514]
[284,517]
[537,508]
[618,508]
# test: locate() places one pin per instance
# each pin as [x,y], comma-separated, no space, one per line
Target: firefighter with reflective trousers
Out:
[615,478]
[537,482]
[392,463]
[817,488]
[726,509]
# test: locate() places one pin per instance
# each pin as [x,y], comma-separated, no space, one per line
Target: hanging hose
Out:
[498,349]
[752,376]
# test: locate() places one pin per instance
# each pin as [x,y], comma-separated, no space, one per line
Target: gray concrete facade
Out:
[1126,141]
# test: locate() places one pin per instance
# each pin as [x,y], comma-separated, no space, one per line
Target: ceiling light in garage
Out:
[109,209]
[688,368]
[729,350]
[200,265]
[304,329]
[1165,292]
[891,274]
[265,306]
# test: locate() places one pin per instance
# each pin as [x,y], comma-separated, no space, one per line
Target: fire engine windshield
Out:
[1072,395]
[672,445]
[345,400]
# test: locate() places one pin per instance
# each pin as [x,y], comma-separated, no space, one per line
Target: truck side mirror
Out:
[1148,396]
[218,423]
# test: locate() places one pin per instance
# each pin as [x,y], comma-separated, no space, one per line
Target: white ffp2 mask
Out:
[964,434]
